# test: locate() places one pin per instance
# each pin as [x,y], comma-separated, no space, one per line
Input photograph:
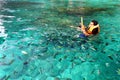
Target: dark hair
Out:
[95,31]
[94,22]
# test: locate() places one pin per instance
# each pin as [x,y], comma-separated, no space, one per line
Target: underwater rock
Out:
[81,10]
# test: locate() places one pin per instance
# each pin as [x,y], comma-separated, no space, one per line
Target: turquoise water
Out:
[37,42]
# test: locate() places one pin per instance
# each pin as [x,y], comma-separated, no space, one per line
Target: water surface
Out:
[37,41]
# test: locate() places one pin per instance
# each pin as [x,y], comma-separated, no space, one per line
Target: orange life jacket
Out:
[92,29]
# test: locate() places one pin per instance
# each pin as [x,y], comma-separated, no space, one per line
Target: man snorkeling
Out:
[93,28]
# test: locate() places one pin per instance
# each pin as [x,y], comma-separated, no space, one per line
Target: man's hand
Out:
[82,26]
[78,29]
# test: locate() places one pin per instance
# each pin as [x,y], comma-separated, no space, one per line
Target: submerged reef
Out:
[82,10]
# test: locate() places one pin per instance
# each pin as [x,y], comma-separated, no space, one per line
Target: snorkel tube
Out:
[81,22]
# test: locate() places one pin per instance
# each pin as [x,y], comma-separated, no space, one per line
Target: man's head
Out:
[94,27]
[93,23]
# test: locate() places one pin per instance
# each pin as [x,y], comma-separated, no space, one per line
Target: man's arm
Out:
[83,29]
[85,32]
